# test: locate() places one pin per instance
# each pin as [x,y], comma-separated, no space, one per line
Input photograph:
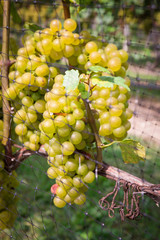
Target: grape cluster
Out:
[111,110]
[49,115]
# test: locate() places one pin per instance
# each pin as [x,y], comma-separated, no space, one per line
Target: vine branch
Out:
[5,69]
[122,178]
[95,131]
[66,8]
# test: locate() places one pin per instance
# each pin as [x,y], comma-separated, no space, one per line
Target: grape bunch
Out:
[47,114]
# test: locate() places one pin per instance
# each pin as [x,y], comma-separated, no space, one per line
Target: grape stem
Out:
[5,69]
[95,131]
[66,5]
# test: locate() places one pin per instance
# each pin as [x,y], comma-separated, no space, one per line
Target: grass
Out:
[39,219]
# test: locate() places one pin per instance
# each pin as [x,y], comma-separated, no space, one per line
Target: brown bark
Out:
[66,5]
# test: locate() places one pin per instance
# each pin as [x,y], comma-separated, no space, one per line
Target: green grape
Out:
[40,106]
[70,119]
[27,101]
[63,131]
[68,51]
[40,81]
[82,59]
[70,24]
[82,169]
[58,202]
[115,121]
[127,125]
[42,70]
[65,182]
[61,159]
[67,37]
[89,177]
[81,199]
[67,148]
[123,55]
[68,199]
[48,126]
[27,79]
[119,132]
[129,113]
[91,47]
[115,110]
[71,165]
[19,117]
[110,48]
[31,117]
[104,117]
[53,107]
[73,192]
[76,41]
[90,164]
[79,126]
[52,172]
[58,44]
[61,192]
[60,121]
[77,181]
[76,137]
[21,129]
[105,129]
[122,98]
[55,25]
[81,145]
[95,57]
[114,64]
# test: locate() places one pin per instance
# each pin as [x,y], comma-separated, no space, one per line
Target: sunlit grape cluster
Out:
[46,113]
[111,110]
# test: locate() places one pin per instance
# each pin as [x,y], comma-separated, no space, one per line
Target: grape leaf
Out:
[132,151]
[32,27]
[81,87]
[71,79]
[98,69]
[107,84]
[107,78]
[121,82]
[84,93]
[116,80]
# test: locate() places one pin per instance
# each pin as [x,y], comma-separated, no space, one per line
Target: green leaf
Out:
[32,27]
[15,16]
[132,151]
[71,79]
[81,87]
[121,82]
[116,80]
[98,69]
[107,78]
[85,95]
[96,81]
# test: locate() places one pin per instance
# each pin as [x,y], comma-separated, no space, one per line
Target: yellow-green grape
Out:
[70,24]
[58,202]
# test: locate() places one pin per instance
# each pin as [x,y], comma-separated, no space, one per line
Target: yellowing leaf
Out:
[132,151]
[71,79]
